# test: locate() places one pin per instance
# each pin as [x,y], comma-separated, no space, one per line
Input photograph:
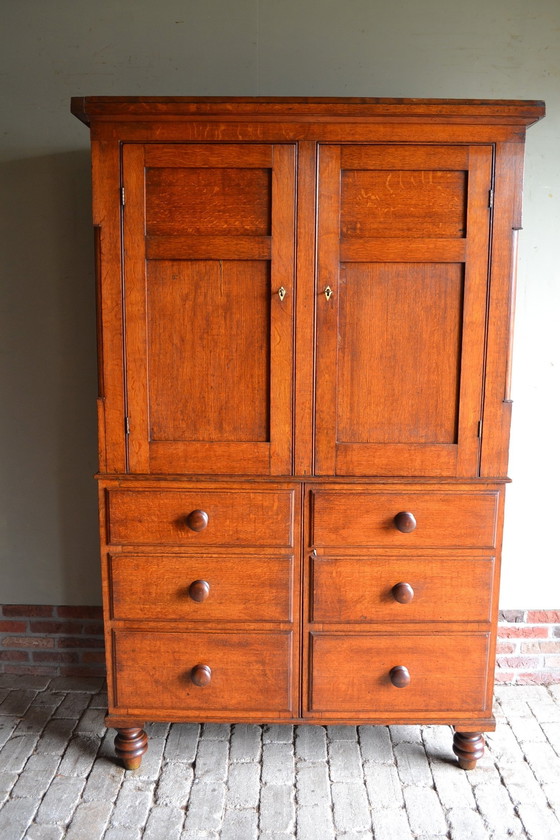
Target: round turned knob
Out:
[197,520]
[201,675]
[399,676]
[199,590]
[403,593]
[405,522]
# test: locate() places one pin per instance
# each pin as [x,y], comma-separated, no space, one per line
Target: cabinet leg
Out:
[469,748]
[130,745]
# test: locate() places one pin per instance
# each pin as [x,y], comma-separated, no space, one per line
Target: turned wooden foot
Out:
[469,748]
[130,746]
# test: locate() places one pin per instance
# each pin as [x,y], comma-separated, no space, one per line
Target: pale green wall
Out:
[413,48]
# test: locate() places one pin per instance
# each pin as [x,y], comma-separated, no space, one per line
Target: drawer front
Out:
[440,519]
[246,672]
[400,589]
[352,674]
[201,517]
[201,588]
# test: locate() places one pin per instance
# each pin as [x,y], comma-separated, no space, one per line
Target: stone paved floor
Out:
[58,777]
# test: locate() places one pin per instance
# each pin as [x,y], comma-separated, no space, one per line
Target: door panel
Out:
[373,364]
[403,247]
[208,242]
[227,346]
[403,203]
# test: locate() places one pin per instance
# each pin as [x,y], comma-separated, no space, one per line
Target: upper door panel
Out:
[208,244]
[402,280]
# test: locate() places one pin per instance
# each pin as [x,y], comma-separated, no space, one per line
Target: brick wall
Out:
[68,641]
[54,641]
[528,647]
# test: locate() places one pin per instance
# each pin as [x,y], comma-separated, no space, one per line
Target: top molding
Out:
[118,108]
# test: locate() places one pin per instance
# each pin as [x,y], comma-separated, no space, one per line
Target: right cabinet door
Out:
[403,256]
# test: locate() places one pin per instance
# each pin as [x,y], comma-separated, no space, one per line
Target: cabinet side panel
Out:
[497,405]
[107,221]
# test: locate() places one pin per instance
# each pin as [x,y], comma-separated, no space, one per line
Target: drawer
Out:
[243,672]
[201,517]
[400,589]
[201,587]
[368,518]
[351,674]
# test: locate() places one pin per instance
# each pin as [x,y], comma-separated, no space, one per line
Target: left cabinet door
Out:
[208,237]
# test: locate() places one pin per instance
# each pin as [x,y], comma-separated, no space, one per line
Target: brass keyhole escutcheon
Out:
[328,292]
[281,293]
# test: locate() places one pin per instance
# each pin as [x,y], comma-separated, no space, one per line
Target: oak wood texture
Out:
[92,108]
[364,517]
[209,342]
[305,312]
[201,587]
[403,397]
[352,673]
[250,672]
[234,517]
[401,588]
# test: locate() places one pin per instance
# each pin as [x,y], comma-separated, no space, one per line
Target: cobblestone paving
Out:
[58,777]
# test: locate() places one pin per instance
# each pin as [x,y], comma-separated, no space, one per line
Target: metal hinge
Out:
[122,196]
[491,198]
[479,429]
[126,426]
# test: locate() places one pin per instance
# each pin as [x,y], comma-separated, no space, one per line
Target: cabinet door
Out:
[208,274]
[403,256]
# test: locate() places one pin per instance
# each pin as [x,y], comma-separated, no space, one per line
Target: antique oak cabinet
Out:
[305,311]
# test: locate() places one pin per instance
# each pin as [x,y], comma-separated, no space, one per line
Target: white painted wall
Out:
[53,50]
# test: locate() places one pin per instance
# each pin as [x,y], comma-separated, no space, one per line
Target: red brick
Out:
[13,626]
[80,612]
[80,642]
[506,647]
[552,661]
[509,632]
[54,656]
[28,641]
[14,656]
[96,658]
[518,661]
[540,647]
[71,628]
[94,629]
[543,616]
[539,678]
[503,677]
[27,610]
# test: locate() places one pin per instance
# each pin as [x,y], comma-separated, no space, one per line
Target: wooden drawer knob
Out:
[197,520]
[405,522]
[399,676]
[199,590]
[201,675]
[403,593]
